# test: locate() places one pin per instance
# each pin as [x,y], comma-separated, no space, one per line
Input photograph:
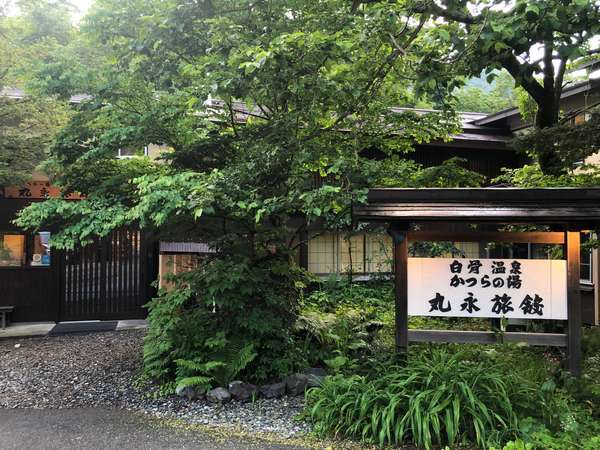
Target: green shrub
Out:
[343,334]
[590,342]
[586,390]
[438,397]
[227,317]
[336,292]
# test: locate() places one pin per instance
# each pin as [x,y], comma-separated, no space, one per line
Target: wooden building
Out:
[111,278]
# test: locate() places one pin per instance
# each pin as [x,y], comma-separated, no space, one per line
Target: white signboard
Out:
[512,288]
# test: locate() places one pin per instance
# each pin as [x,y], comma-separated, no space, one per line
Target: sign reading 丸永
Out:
[464,287]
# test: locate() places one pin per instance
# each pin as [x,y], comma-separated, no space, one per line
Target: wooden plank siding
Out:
[487,162]
[109,279]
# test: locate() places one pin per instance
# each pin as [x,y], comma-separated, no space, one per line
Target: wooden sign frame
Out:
[401,236]
[444,214]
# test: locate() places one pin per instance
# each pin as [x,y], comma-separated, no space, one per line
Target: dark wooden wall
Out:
[488,162]
[34,290]
[108,280]
[588,312]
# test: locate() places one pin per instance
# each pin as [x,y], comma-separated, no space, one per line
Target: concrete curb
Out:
[42,329]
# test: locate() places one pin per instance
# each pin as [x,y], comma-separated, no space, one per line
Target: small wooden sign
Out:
[35,190]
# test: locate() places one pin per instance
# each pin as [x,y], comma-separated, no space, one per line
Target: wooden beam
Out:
[487,337]
[542,196]
[573,302]
[398,231]
[479,212]
[453,336]
[537,237]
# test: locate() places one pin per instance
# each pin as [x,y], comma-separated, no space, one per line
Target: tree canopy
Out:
[535,41]
[267,114]
[253,103]
[27,123]
[477,95]
[264,112]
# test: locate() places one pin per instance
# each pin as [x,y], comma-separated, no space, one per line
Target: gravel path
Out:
[99,370]
[75,370]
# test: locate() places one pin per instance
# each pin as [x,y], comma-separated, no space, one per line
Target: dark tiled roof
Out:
[18,93]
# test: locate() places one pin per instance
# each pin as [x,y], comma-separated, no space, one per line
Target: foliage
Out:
[263,113]
[438,397]
[534,41]
[394,172]
[226,360]
[531,175]
[227,316]
[27,125]
[359,316]
[339,323]
[335,292]
[577,429]
[487,97]
[571,143]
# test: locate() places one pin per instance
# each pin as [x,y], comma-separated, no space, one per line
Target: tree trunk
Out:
[547,116]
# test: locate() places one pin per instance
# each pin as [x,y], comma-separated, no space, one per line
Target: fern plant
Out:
[216,369]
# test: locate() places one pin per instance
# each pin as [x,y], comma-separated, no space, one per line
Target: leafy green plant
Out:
[223,319]
[516,445]
[219,369]
[336,339]
[439,397]
[4,252]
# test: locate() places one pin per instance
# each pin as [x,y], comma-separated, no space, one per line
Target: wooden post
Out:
[398,231]
[303,248]
[573,302]
[57,266]
[596,281]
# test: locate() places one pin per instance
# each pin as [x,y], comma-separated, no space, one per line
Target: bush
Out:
[343,324]
[438,397]
[227,317]
[336,292]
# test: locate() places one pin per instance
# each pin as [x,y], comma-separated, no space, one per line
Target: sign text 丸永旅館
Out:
[470,287]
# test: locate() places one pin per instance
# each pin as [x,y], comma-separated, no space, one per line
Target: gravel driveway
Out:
[99,370]
[75,370]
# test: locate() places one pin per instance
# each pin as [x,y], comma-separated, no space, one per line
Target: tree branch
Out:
[558,83]
[527,82]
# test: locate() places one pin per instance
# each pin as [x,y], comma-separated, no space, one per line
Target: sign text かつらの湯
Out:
[470,287]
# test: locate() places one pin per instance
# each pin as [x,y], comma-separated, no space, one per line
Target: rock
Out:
[275,390]
[218,395]
[315,375]
[242,391]
[188,392]
[296,384]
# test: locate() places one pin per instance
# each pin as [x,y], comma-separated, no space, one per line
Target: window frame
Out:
[28,245]
[120,156]
[24,254]
[590,265]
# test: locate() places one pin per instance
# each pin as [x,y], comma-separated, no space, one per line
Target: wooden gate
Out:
[109,279]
